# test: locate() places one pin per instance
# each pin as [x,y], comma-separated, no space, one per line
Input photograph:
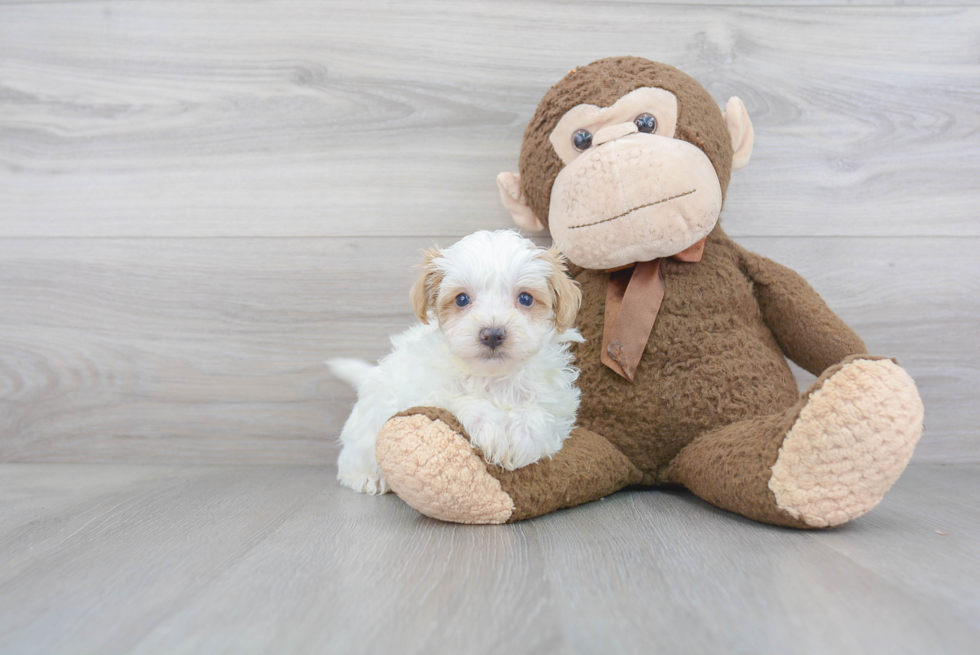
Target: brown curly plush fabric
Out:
[602,83]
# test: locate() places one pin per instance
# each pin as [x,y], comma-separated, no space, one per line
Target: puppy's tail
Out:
[351,371]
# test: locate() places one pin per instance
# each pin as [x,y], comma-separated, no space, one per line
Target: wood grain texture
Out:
[184,350]
[281,559]
[377,118]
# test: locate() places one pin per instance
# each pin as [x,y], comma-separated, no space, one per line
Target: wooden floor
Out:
[233,559]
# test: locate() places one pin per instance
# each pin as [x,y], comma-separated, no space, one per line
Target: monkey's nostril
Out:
[492,336]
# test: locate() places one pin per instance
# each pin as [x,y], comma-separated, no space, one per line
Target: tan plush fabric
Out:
[741,130]
[849,445]
[512,197]
[433,470]
[635,199]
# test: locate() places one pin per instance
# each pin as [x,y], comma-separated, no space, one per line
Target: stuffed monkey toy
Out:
[684,376]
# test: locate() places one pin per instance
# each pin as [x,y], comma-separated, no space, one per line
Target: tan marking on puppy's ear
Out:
[567,297]
[513,199]
[426,288]
[741,131]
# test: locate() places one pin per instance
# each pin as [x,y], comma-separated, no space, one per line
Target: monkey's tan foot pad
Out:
[436,471]
[849,444]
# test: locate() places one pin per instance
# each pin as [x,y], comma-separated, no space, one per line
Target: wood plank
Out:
[262,559]
[687,577]
[925,535]
[205,350]
[138,552]
[31,495]
[372,118]
[347,564]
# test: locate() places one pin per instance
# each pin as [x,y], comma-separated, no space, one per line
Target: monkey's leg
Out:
[825,461]
[428,461]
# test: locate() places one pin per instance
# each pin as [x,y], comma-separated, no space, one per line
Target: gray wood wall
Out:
[200,202]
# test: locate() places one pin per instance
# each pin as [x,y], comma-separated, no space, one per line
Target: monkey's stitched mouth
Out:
[630,211]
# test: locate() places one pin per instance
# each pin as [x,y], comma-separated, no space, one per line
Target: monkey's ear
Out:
[426,288]
[510,194]
[740,129]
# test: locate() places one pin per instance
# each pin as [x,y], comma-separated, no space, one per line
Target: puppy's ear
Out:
[565,291]
[426,288]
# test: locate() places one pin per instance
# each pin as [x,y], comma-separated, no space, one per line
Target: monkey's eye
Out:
[582,140]
[525,299]
[645,123]
[462,300]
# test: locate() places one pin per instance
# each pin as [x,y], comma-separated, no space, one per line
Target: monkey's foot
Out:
[851,441]
[436,471]
[428,461]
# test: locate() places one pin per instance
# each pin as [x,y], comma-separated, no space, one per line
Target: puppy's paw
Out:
[533,436]
[490,436]
[365,483]
[358,470]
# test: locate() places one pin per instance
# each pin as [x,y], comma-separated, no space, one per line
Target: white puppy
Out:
[492,348]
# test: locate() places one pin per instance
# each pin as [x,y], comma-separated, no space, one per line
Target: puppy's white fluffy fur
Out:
[517,400]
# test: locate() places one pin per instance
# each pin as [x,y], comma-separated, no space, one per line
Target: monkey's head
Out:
[626,160]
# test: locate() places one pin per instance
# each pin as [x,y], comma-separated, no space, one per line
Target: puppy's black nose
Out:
[492,336]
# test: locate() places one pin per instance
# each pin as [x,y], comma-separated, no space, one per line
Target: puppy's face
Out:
[497,297]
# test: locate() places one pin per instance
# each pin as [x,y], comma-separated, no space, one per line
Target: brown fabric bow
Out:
[633,299]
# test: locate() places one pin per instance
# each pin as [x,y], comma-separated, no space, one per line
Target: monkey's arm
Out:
[807,331]
[429,462]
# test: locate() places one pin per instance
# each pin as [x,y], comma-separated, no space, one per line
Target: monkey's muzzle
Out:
[634,199]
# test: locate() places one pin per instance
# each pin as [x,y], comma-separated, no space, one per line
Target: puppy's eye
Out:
[645,123]
[525,299]
[582,140]
[462,300]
